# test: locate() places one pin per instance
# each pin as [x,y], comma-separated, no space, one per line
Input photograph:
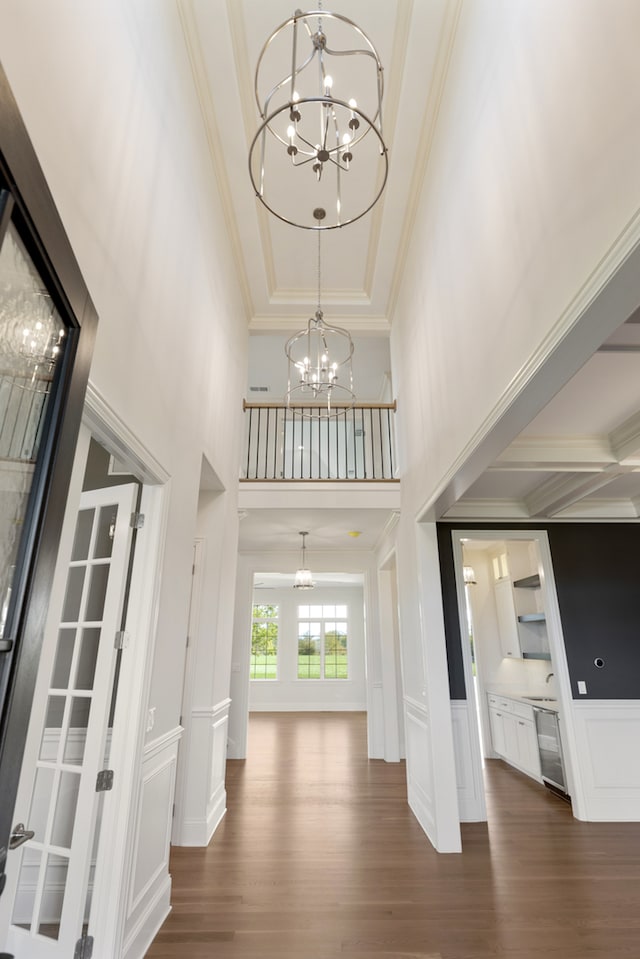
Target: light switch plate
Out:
[582,687]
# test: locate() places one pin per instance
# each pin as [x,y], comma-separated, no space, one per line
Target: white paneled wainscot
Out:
[468,777]
[150,884]
[204,800]
[607,736]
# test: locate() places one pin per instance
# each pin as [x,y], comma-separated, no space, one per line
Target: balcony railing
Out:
[298,443]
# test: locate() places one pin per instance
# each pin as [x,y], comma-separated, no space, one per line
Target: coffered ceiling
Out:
[579,458]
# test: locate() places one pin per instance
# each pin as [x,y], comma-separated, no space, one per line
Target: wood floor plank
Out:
[319,857]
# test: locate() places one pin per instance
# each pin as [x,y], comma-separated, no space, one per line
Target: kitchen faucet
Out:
[549,675]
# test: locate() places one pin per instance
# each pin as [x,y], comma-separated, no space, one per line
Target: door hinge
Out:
[104,781]
[173,811]
[137,520]
[84,948]
[121,640]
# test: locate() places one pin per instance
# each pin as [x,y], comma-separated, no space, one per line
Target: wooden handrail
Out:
[318,406]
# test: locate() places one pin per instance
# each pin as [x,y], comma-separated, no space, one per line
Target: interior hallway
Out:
[319,857]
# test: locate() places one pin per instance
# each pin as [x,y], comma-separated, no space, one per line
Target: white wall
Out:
[121,142]
[529,205]
[288,692]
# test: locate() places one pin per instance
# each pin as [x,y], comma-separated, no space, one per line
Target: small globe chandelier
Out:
[304,579]
[320,372]
[318,86]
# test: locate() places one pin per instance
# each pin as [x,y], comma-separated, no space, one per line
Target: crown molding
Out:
[361,325]
[393,91]
[625,441]
[214,141]
[425,144]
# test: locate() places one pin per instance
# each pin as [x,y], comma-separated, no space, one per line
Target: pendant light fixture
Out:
[319,363]
[469,576]
[303,579]
[319,86]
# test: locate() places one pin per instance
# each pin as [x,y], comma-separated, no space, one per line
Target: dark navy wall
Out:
[596,568]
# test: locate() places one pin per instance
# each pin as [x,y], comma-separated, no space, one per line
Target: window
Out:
[264,642]
[322,642]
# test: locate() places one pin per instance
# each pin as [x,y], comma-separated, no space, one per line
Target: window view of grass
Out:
[322,648]
[264,642]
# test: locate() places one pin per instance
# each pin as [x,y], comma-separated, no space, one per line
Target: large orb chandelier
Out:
[318,86]
[319,364]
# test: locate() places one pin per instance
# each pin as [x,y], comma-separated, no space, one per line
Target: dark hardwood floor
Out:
[319,857]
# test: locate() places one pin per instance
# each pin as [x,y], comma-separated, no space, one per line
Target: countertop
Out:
[537,700]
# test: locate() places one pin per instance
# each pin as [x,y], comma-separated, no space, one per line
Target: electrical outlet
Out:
[582,687]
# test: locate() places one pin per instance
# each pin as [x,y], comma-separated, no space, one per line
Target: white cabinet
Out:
[513,733]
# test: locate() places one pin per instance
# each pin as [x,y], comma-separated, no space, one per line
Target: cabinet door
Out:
[496,719]
[511,752]
[507,621]
[529,758]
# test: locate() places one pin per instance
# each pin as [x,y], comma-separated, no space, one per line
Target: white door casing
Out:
[48,894]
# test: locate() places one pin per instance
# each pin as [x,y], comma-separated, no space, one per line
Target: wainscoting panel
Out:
[470,786]
[419,765]
[205,796]
[607,735]
[150,886]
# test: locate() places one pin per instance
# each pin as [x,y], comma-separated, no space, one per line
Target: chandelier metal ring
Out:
[339,222]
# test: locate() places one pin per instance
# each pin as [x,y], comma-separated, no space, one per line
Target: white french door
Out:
[47,904]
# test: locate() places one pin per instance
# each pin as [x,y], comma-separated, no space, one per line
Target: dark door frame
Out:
[34,215]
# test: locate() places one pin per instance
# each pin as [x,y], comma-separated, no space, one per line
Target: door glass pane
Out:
[64,657]
[25,899]
[55,880]
[84,526]
[88,656]
[105,532]
[65,813]
[39,812]
[97,592]
[31,339]
[73,595]
[52,728]
[77,731]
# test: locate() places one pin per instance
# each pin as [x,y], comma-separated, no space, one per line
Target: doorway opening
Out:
[307,650]
[513,653]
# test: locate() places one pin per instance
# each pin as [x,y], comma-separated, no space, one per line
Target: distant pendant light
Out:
[469,576]
[303,579]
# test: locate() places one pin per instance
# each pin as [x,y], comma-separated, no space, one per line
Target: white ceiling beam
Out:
[559,492]
[601,508]
[554,453]
[493,509]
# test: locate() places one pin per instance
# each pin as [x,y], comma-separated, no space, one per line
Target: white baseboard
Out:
[198,832]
